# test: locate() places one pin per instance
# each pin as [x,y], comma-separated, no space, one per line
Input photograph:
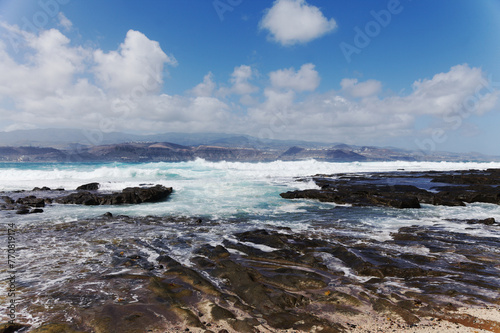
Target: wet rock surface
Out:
[30,202]
[406,189]
[130,195]
[259,280]
[126,274]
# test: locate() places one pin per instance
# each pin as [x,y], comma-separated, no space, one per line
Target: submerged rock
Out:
[488,221]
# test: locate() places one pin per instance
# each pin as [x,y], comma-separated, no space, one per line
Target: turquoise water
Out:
[233,190]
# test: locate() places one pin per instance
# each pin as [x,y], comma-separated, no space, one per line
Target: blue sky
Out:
[413,74]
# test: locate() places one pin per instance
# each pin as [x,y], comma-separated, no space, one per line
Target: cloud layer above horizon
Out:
[51,82]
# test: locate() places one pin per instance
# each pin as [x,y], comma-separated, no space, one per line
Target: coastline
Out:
[173,273]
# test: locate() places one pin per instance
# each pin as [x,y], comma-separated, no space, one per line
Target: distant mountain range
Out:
[66,138]
[59,145]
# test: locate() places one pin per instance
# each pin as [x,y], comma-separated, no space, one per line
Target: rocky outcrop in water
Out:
[88,187]
[130,195]
[406,189]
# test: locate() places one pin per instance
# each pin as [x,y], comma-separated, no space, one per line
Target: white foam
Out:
[262,247]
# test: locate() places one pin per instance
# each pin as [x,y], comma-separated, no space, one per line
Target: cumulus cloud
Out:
[138,62]
[240,79]
[356,114]
[57,84]
[52,65]
[305,79]
[241,85]
[360,89]
[205,88]
[292,22]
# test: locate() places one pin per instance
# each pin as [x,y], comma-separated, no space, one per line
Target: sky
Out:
[415,74]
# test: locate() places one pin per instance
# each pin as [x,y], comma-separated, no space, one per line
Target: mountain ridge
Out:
[64,145]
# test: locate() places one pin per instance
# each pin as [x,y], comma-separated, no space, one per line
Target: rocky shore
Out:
[157,274]
[406,189]
[266,281]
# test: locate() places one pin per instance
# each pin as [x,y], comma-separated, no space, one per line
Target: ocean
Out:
[226,190]
[228,197]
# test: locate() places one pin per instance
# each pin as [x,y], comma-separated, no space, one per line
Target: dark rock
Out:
[45,188]
[295,279]
[36,211]
[362,195]
[23,210]
[7,200]
[488,221]
[219,313]
[244,282]
[31,201]
[242,326]
[301,321]
[88,187]
[12,328]
[262,236]
[130,195]
[80,198]
[211,252]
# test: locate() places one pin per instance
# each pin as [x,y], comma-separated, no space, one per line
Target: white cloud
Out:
[364,89]
[341,116]
[291,22]
[64,21]
[461,89]
[57,84]
[205,88]
[305,79]
[138,63]
[240,85]
[240,79]
[52,66]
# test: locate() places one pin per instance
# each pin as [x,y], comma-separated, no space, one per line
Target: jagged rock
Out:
[31,201]
[107,215]
[465,187]
[362,195]
[88,187]
[130,195]
[45,188]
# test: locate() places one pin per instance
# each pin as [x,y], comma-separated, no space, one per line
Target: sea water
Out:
[225,190]
[65,243]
